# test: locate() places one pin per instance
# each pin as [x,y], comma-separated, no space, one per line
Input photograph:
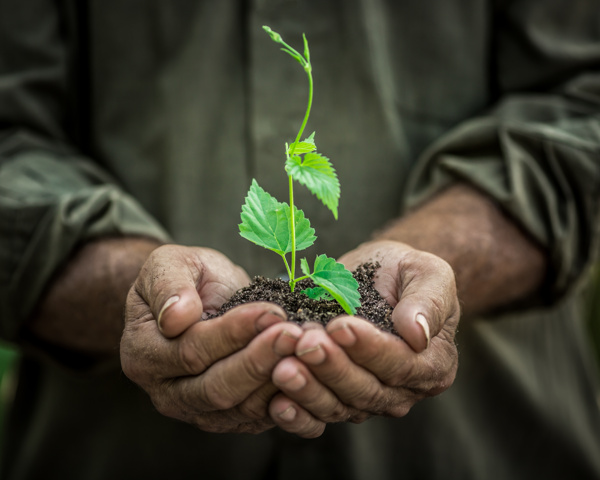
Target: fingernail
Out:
[267,319]
[168,303]
[288,414]
[343,335]
[296,383]
[421,320]
[286,342]
[313,355]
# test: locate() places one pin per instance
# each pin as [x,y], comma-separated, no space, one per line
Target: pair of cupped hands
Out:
[250,370]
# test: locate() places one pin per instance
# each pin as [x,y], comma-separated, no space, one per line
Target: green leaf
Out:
[317,293]
[317,174]
[305,234]
[306,146]
[301,147]
[336,279]
[266,222]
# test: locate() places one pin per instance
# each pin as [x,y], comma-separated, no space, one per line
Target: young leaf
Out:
[317,293]
[266,222]
[306,146]
[286,48]
[317,174]
[336,279]
[295,55]
[306,50]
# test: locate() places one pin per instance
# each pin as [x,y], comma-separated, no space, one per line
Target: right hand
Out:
[351,369]
[214,374]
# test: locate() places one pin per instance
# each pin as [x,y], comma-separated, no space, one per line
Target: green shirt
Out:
[151,118]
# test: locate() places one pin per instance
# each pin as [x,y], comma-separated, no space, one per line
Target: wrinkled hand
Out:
[352,370]
[214,374]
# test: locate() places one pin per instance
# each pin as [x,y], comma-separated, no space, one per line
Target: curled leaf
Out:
[317,293]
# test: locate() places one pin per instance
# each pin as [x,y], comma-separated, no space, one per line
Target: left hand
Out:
[213,374]
[351,369]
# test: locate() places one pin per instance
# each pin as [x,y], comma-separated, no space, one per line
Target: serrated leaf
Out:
[266,222]
[317,174]
[305,234]
[306,146]
[317,293]
[336,279]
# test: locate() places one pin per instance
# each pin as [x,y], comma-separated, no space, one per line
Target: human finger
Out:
[292,418]
[357,388]
[393,361]
[147,355]
[427,298]
[180,283]
[297,382]
[230,381]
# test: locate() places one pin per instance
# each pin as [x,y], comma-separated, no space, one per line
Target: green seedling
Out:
[283,228]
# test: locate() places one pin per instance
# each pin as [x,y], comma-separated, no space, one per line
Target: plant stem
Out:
[293,233]
[302,278]
[287,267]
[308,70]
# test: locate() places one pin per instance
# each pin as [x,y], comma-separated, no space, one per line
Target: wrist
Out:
[83,306]
[494,261]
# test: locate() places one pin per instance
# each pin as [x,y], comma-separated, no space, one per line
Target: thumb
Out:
[179,312]
[168,284]
[428,298]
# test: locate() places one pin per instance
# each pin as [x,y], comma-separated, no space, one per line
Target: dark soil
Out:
[301,308]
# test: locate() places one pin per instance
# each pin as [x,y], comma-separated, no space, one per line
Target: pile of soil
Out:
[301,308]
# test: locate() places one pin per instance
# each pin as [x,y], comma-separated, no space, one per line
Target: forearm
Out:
[83,307]
[495,262]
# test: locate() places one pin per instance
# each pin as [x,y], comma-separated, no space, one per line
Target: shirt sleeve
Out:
[537,151]
[52,197]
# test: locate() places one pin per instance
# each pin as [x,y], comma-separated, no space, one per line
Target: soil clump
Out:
[300,308]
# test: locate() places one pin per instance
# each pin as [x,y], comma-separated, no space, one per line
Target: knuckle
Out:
[164,408]
[359,417]
[190,357]
[165,404]
[401,374]
[211,425]
[217,396]
[335,376]
[130,369]
[314,430]
[257,370]
[372,350]
[445,379]
[438,307]
[339,413]
[253,410]
[136,364]
[368,399]
[253,427]
[398,411]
